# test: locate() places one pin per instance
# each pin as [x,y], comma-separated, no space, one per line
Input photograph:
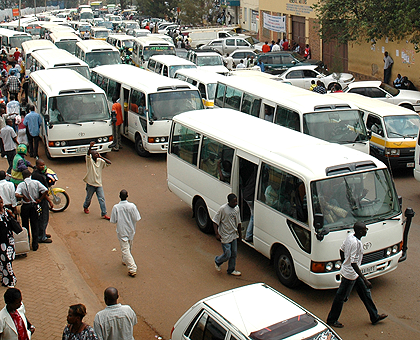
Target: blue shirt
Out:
[33,121]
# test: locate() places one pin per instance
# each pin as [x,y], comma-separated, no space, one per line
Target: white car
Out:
[242,54]
[376,89]
[302,76]
[255,312]
[209,61]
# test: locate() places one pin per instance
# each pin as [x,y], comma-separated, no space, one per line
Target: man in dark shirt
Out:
[40,174]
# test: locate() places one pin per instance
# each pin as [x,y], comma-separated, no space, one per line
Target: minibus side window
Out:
[233,98]
[151,65]
[43,108]
[374,124]
[185,144]
[287,118]
[165,71]
[216,159]
[202,90]
[283,192]
[220,95]
[138,102]
[113,89]
[33,92]
[251,105]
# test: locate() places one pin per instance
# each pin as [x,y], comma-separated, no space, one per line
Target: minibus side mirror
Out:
[369,134]
[320,230]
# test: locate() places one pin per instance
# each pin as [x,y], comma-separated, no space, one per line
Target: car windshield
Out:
[94,59]
[101,34]
[252,40]
[173,69]
[211,90]
[391,90]
[17,41]
[402,126]
[165,105]
[150,51]
[34,30]
[78,108]
[86,15]
[298,57]
[128,43]
[69,45]
[342,127]
[132,25]
[367,196]
[84,28]
[215,60]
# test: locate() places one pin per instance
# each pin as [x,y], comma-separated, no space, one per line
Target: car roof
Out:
[253,307]
[243,50]
[200,54]
[368,83]
[302,67]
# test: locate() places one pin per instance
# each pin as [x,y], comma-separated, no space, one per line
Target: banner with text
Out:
[274,23]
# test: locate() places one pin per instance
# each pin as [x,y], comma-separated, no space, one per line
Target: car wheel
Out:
[331,85]
[285,268]
[202,218]
[141,151]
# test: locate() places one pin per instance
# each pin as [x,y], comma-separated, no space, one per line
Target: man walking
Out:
[7,192]
[227,227]
[8,136]
[125,214]
[33,122]
[116,321]
[13,84]
[94,166]
[40,174]
[387,67]
[351,253]
[32,193]
[116,124]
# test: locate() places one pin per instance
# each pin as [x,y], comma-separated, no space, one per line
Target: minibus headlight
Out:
[57,143]
[392,152]
[63,143]
[105,139]
[337,265]
[388,251]
[395,249]
[329,266]
[157,140]
[100,140]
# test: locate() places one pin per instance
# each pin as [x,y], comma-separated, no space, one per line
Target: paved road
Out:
[175,260]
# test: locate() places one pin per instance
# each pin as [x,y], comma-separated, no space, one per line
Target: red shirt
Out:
[20,325]
[16,55]
[117,108]
[286,46]
[266,48]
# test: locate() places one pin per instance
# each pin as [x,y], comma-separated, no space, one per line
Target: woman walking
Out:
[7,248]
[76,328]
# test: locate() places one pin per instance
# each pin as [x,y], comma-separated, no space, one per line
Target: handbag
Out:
[14,225]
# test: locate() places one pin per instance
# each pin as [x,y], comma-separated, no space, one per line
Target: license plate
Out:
[410,165]
[369,270]
[82,149]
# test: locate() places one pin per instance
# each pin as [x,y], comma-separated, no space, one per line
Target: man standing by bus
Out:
[116,124]
[227,227]
[351,253]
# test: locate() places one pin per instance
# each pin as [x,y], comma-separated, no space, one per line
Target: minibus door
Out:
[126,94]
[268,111]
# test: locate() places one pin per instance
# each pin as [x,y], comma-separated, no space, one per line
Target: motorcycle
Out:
[59,197]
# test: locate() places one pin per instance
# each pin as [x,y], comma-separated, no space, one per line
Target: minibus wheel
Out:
[285,268]
[47,153]
[202,218]
[141,151]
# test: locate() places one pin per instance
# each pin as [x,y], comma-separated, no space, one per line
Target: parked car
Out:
[209,61]
[278,62]
[256,312]
[376,89]
[242,54]
[302,76]
[228,45]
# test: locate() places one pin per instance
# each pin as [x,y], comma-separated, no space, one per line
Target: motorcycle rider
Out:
[20,164]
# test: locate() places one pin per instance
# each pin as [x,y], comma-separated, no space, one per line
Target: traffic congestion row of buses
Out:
[305,202]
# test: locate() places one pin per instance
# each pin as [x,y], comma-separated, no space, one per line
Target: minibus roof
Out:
[300,153]
[203,76]
[57,58]
[95,45]
[172,60]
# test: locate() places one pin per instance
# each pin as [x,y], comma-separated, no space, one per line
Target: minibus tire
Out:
[47,153]
[141,151]
[285,268]
[202,218]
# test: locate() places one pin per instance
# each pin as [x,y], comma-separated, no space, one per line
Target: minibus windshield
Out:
[209,61]
[94,59]
[68,45]
[173,69]
[402,126]
[336,126]
[73,109]
[101,34]
[83,70]
[165,105]
[150,51]
[17,41]
[369,197]
[128,43]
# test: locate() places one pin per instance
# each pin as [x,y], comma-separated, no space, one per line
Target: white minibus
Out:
[150,101]
[145,47]
[306,193]
[206,81]
[57,58]
[10,40]
[167,65]
[74,112]
[314,114]
[28,47]
[394,129]
[65,40]
[99,33]
[97,53]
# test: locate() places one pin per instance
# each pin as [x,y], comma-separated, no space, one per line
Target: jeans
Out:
[33,145]
[43,220]
[29,213]
[230,251]
[10,155]
[343,294]
[250,228]
[116,133]
[127,258]
[90,190]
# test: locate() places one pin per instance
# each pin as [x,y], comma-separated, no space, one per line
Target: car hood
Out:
[344,77]
[408,94]
[216,68]
[259,46]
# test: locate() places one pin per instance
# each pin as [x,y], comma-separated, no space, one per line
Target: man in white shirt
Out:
[351,253]
[241,64]
[125,214]
[275,48]
[387,67]
[8,136]
[12,107]
[7,192]
[32,193]
[229,61]
[116,321]
[94,166]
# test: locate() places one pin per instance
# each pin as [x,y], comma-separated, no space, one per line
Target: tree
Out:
[368,20]
[157,8]
[194,11]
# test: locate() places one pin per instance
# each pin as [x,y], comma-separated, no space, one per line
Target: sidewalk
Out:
[50,282]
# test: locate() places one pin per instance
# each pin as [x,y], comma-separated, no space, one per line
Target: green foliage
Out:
[157,8]
[193,11]
[368,20]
